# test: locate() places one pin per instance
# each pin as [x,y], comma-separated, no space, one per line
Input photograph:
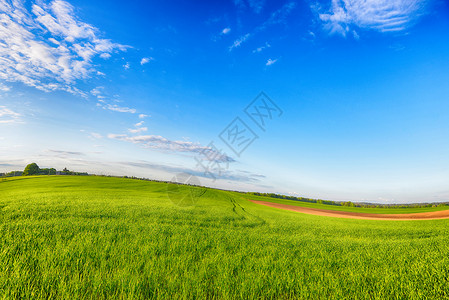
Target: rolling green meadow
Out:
[88,237]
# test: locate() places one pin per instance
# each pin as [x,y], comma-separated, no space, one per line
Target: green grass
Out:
[376,210]
[108,238]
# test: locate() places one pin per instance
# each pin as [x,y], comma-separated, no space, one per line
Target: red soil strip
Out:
[434,215]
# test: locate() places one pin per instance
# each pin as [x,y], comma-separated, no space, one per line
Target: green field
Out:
[71,237]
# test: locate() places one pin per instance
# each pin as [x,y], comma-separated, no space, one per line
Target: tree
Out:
[31,169]
[48,171]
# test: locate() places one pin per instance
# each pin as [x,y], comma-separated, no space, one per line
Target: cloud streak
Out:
[8,116]
[4,88]
[65,153]
[227,30]
[255,5]
[115,107]
[239,41]
[271,62]
[277,17]
[160,143]
[137,130]
[239,176]
[47,47]
[260,49]
[146,60]
[380,15]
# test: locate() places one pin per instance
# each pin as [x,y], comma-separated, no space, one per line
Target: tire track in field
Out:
[246,215]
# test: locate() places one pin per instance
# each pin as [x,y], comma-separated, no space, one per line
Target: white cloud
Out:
[126,66]
[271,61]
[8,116]
[161,143]
[255,5]
[97,91]
[223,32]
[239,41]
[146,60]
[143,116]
[226,30]
[51,63]
[64,154]
[4,88]
[95,135]
[260,49]
[277,17]
[117,108]
[380,15]
[137,130]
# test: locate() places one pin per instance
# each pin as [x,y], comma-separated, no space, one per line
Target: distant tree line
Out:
[302,199]
[33,169]
[348,203]
[11,174]
[65,171]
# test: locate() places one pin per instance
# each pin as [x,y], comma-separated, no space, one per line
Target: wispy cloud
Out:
[137,130]
[143,116]
[7,116]
[104,101]
[223,32]
[95,135]
[380,15]
[226,30]
[65,153]
[126,66]
[255,5]
[146,60]
[260,49]
[4,88]
[115,107]
[239,176]
[277,17]
[46,46]
[271,62]
[97,92]
[160,143]
[239,41]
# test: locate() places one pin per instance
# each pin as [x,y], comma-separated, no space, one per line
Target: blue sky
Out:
[145,88]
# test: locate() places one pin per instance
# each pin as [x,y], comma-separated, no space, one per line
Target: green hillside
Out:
[69,237]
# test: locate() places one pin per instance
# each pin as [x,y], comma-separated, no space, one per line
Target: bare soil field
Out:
[354,215]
